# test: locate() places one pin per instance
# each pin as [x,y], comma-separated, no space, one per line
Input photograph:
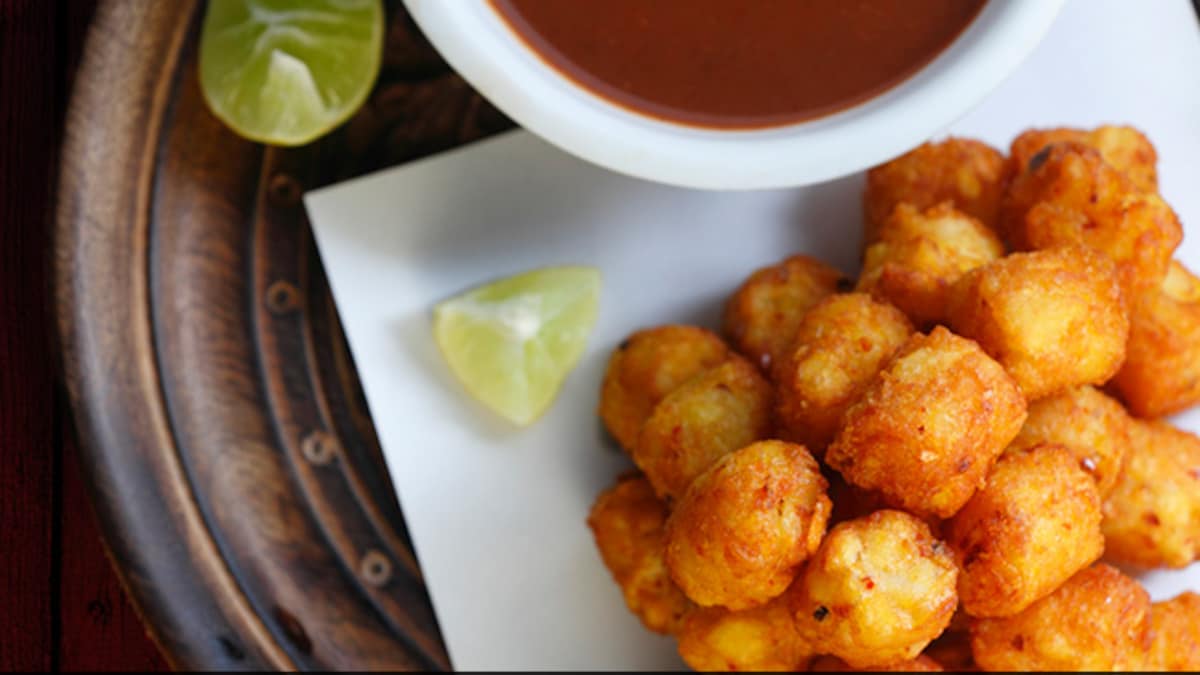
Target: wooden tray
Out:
[230,457]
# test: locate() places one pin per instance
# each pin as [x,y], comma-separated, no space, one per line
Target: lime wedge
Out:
[287,71]
[512,342]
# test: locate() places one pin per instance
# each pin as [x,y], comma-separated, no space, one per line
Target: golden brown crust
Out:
[714,413]
[627,522]
[952,649]
[1152,516]
[1161,374]
[647,366]
[739,534]
[1055,319]
[762,315]
[832,664]
[877,591]
[1175,635]
[968,173]
[1070,195]
[1091,426]
[762,639]
[919,255]
[929,427]
[1034,525]
[840,345]
[1124,148]
[1097,621]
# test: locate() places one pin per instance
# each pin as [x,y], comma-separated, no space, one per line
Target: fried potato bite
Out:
[849,501]
[627,522]
[762,316]
[1055,319]
[1175,635]
[762,639]
[877,591]
[739,534]
[1091,426]
[832,664]
[1161,374]
[1097,621]
[1152,516]
[647,366]
[919,255]
[1034,525]
[714,413]
[1068,194]
[930,426]
[952,649]
[840,346]
[1126,149]
[969,174]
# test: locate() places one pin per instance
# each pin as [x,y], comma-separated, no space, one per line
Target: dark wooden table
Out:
[63,606]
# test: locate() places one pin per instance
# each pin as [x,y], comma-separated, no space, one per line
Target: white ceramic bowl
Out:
[479,44]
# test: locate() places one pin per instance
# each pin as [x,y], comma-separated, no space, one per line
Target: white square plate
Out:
[496,513]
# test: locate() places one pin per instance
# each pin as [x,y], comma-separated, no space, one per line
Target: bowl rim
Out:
[484,49]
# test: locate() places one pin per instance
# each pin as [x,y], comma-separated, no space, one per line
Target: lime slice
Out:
[287,71]
[513,342]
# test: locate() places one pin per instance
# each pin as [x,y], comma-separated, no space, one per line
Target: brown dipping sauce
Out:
[738,63]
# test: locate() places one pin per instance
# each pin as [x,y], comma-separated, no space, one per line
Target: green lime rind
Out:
[285,72]
[512,343]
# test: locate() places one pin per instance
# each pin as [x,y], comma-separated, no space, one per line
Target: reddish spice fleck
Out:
[868,582]
[1152,518]
[1018,643]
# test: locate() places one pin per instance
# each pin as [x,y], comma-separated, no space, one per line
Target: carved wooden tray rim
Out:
[225,442]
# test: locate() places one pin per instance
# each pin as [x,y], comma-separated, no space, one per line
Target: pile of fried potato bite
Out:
[931,467]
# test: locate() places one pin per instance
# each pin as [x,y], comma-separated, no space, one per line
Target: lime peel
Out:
[285,72]
[512,342]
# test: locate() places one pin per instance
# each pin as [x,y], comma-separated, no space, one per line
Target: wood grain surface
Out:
[223,431]
[26,390]
[64,607]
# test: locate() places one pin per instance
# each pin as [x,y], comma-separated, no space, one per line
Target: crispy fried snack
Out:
[1175,631]
[840,346]
[1055,319]
[1068,194]
[1125,148]
[850,501]
[762,316]
[1161,374]
[970,174]
[647,366]
[1034,525]
[832,664]
[1152,516]
[1092,426]
[762,639]
[1097,621]
[919,255]
[627,521]
[739,534]
[714,413]
[929,427]
[877,591]
[952,649]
